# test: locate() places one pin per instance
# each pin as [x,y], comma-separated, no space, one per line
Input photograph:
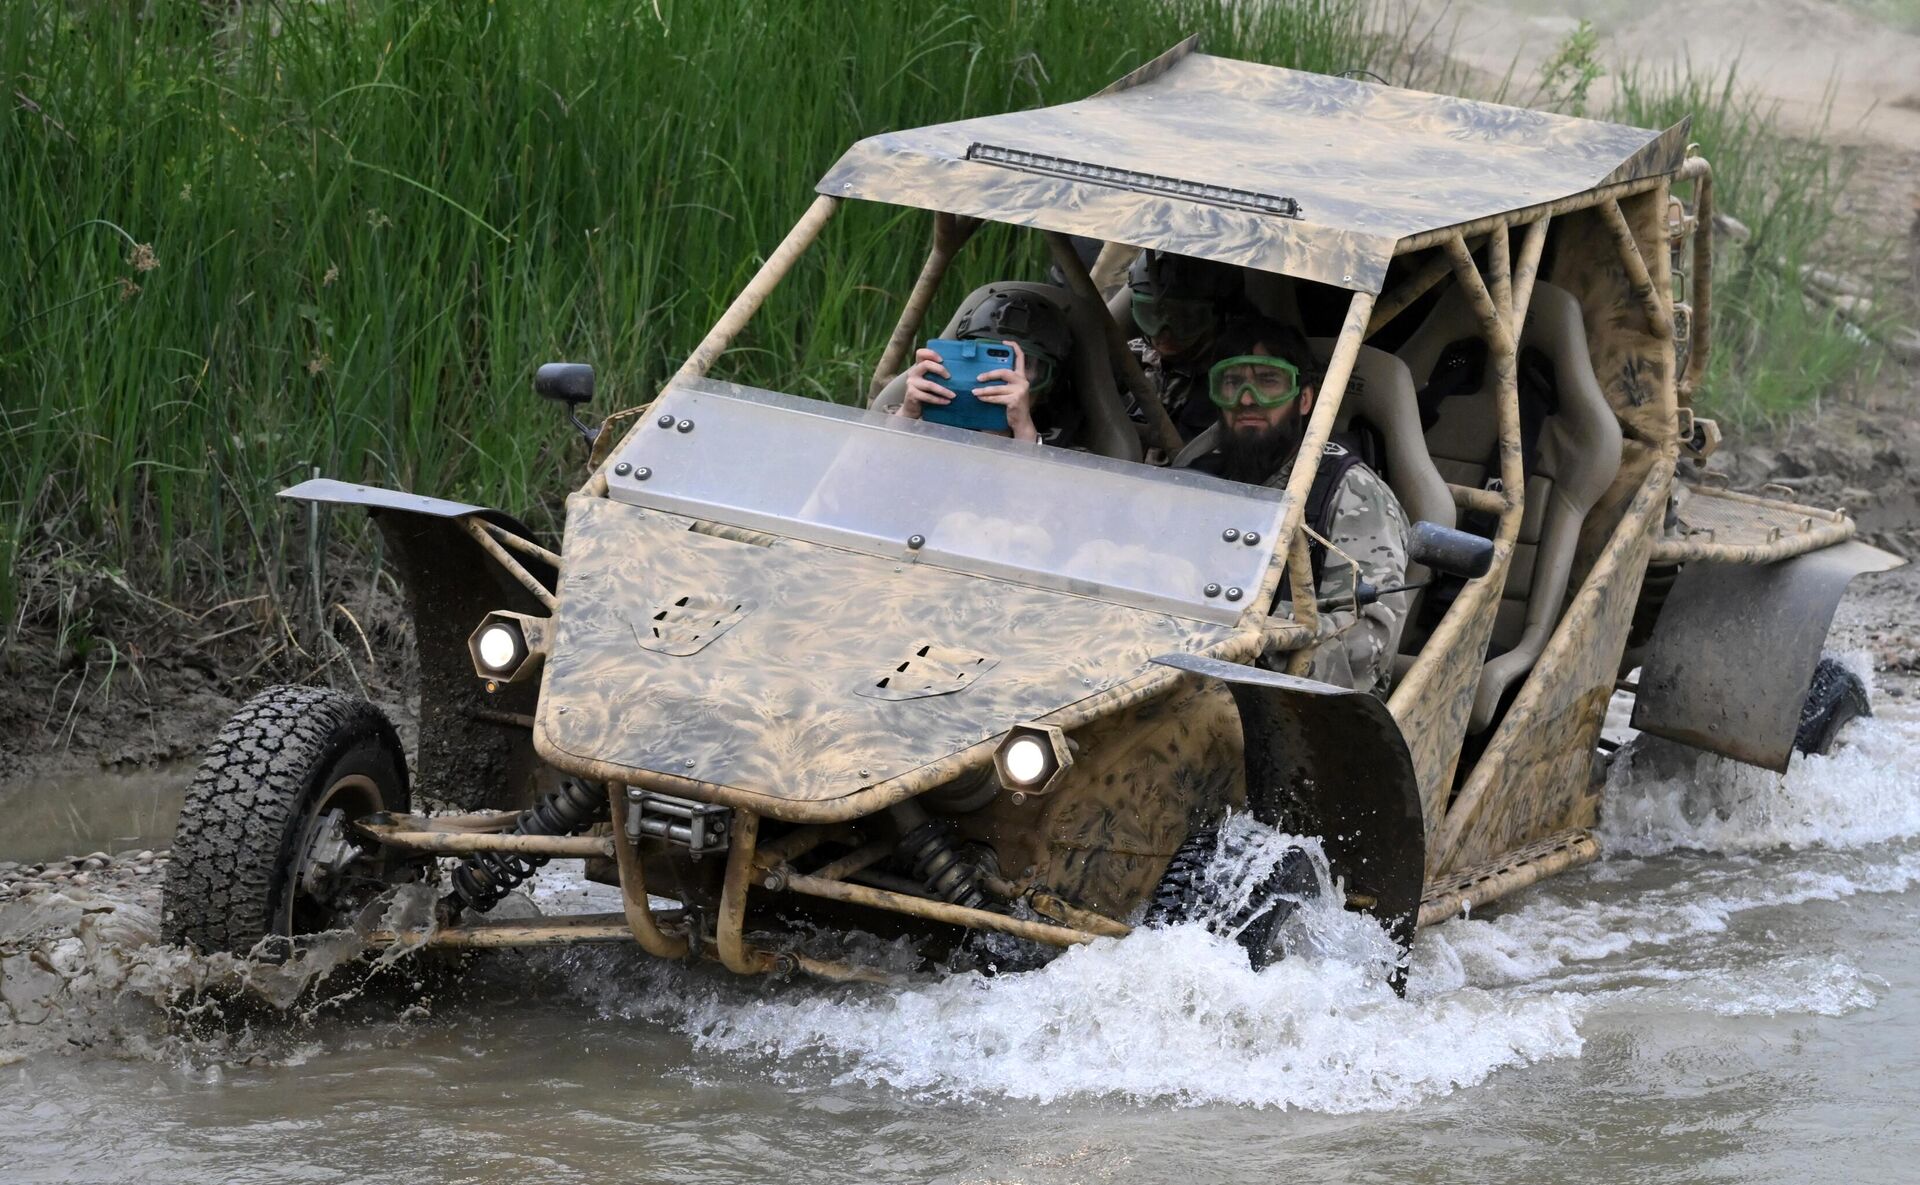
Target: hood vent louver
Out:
[686,624]
[927,671]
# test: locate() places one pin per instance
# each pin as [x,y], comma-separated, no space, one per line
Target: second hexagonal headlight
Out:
[1030,760]
[500,647]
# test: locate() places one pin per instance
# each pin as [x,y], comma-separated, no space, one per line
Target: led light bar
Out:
[1136,182]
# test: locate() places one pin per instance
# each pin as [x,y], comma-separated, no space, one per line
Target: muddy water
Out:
[1732,995]
[112,812]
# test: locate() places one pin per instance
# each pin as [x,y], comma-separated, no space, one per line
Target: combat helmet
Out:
[1036,323]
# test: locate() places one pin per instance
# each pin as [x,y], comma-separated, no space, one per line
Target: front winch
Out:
[699,827]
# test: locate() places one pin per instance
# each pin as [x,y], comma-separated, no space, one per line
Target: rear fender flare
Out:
[451,583]
[1330,761]
[1729,662]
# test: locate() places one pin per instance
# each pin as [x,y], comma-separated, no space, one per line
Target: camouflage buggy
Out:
[800,666]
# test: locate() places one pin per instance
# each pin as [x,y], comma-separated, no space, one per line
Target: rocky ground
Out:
[132,876]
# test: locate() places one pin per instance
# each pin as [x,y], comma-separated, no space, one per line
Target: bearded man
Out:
[1263,381]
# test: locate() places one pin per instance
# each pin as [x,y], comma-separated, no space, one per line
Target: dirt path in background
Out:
[1827,64]
[1835,70]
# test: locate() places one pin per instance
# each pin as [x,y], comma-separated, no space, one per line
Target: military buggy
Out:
[777,678]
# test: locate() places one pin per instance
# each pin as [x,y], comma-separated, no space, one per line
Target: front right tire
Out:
[1187,892]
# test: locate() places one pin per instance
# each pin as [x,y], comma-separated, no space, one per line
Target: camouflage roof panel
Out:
[1263,167]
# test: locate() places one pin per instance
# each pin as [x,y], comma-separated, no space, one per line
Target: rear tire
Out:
[1186,893]
[1836,697]
[286,759]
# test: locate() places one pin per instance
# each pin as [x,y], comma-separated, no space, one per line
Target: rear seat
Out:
[1576,456]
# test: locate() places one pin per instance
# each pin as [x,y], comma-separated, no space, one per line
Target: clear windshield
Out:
[1168,540]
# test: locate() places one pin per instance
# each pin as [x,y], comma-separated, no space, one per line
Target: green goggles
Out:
[1181,319]
[1273,382]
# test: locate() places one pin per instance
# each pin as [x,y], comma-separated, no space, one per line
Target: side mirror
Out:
[570,383]
[1443,549]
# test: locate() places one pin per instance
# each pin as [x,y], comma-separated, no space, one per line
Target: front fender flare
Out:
[1330,761]
[471,753]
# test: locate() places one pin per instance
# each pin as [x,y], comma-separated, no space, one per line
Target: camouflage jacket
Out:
[1181,387]
[1369,529]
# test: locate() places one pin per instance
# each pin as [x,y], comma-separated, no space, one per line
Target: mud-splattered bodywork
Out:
[928,589]
[829,624]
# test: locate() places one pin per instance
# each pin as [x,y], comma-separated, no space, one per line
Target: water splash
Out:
[82,969]
[1661,796]
[1173,1015]
[1170,1016]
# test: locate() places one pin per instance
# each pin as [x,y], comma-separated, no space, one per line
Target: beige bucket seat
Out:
[1575,458]
[1381,392]
[1104,425]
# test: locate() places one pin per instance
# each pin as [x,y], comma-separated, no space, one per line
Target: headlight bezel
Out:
[1054,747]
[529,636]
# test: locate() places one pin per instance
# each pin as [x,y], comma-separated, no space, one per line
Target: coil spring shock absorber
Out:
[484,878]
[928,847]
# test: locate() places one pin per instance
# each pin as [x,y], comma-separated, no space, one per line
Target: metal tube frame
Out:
[1699,338]
[926,907]
[1165,435]
[506,560]
[1468,621]
[641,920]
[1313,442]
[951,232]
[1437,268]
[526,547]
[455,843]
[1638,278]
[744,306]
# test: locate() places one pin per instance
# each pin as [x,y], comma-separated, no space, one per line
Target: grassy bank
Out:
[1775,352]
[339,237]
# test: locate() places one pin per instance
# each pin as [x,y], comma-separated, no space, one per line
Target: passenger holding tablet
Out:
[1005,355]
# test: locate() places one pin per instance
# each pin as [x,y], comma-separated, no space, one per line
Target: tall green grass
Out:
[340,236]
[245,245]
[1775,352]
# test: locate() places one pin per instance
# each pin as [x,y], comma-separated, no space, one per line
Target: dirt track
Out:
[1835,71]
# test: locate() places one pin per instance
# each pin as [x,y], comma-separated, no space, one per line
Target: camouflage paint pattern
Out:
[1634,365]
[1725,527]
[1145,776]
[1458,893]
[1196,150]
[768,714]
[1367,164]
[1356,649]
[1434,701]
[1535,777]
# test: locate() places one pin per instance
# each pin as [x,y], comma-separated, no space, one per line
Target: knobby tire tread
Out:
[241,809]
[1181,894]
[1835,697]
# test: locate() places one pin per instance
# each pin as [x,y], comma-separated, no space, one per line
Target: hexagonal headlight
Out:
[499,647]
[1031,759]
[508,647]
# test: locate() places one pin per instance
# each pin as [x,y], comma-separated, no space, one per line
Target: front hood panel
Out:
[773,674]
